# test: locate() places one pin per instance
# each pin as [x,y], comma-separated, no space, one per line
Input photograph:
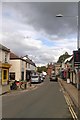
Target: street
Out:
[47,101]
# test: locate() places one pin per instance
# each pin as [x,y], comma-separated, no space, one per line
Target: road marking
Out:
[69,103]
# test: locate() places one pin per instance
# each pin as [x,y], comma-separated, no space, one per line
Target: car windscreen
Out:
[34,76]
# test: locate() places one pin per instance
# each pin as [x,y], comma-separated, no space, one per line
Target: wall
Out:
[32,67]
[23,68]
[16,68]
[2,56]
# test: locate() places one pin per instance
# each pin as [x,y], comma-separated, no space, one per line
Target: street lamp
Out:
[60,15]
[78,46]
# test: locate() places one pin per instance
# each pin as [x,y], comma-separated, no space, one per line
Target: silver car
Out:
[35,79]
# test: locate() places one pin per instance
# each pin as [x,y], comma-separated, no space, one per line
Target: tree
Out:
[63,57]
[42,68]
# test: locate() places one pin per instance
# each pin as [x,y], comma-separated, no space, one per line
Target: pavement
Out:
[72,91]
[6,89]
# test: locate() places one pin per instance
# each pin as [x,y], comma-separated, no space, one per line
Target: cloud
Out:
[33,29]
[43,16]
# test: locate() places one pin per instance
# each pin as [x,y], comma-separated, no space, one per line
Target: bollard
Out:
[30,83]
[25,85]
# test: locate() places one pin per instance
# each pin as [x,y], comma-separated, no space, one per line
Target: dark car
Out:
[53,78]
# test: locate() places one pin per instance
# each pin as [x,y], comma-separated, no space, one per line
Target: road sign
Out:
[76,57]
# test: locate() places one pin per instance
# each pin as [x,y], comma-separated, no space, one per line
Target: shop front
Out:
[4,73]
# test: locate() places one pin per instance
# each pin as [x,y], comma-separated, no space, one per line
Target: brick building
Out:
[50,69]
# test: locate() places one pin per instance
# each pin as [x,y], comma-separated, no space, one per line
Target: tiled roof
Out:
[13,56]
[4,48]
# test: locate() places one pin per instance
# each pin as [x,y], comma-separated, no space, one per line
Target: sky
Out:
[32,28]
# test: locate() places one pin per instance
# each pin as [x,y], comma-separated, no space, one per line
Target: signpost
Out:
[76,56]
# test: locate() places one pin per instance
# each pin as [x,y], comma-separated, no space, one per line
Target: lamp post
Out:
[60,15]
[78,46]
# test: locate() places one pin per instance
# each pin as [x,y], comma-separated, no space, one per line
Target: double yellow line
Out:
[69,102]
[74,116]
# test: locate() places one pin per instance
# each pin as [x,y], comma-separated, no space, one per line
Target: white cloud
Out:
[20,38]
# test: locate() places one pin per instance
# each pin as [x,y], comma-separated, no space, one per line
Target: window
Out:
[28,65]
[0,75]
[4,74]
[35,76]
[22,64]
[12,76]
[22,75]
[6,54]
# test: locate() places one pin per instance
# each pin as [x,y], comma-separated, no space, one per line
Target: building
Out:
[69,71]
[30,67]
[18,68]
[57,68]
[50,69]
[22,67]
[4,65]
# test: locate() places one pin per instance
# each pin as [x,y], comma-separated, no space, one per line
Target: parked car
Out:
[41,77]
[35,79]
[53,78]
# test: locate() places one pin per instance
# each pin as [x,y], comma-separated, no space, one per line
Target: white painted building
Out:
[21,68]
[29,64]
[18,68]
[30,67]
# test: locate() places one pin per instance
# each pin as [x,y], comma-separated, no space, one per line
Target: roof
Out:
[4,48]
[14,56]
[29,60]
[68,59]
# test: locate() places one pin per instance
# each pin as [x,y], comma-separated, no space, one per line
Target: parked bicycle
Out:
[23,85]
[18,84]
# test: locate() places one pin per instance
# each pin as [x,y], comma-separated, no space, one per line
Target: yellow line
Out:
[74,113]
[71,113]
[70,108]
[70,103]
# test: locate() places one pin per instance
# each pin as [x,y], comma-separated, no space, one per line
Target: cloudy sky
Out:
[33,29]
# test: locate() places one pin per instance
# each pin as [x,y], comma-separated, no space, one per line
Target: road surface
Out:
[47,101]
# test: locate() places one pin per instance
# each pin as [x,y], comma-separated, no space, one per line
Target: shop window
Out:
[5,74]
[12,76]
